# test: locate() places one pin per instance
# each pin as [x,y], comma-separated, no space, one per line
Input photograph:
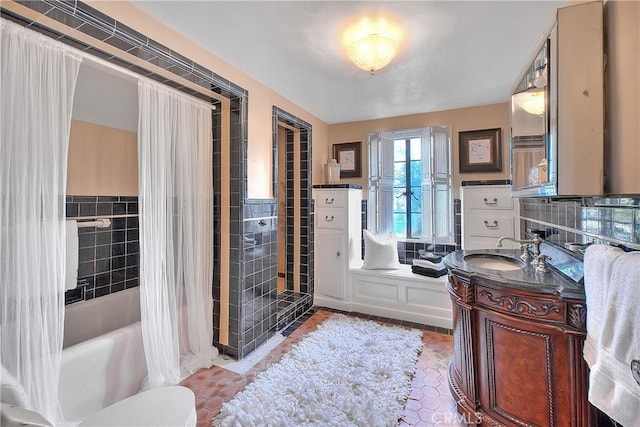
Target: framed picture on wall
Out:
[480,150]
[348,155]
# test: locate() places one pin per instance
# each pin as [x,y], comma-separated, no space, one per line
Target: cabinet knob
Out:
[328,218]
[494,225]
[329,201]
[338,253]
[488,203]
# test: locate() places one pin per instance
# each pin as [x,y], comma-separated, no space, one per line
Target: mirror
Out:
[530,126]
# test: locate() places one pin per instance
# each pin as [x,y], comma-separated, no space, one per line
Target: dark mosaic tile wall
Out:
[304,196]
[84,18]
[109,258]
[259,304]
[407,251]
[290,209]
[291,306]
[254,307]
[237,190]
[614,219]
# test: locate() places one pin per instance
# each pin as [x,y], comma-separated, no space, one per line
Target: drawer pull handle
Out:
[495,224]
[488,203]
[338,253]
[329,201]
[328,218]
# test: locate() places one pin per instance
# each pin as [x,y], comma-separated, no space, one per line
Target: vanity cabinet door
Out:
[524,371]
[331,257]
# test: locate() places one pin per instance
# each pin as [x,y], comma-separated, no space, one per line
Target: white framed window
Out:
[410,184]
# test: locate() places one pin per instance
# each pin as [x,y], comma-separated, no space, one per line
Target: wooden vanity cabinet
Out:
[517,356]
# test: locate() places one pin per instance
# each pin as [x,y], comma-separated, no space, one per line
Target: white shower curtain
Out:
[38,82]
[175,151]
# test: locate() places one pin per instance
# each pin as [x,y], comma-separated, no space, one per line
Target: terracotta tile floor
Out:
[429,404]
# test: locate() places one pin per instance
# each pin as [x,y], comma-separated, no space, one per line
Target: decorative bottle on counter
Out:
[332,172]
[543,172]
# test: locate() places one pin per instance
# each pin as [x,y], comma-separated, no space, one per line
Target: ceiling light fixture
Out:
[373,51]
[372,43]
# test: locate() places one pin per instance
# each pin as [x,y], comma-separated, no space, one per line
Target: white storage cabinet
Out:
[489,212]
[338,243]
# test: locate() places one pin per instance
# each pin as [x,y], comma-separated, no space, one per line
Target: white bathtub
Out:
[103,357]
[95,317]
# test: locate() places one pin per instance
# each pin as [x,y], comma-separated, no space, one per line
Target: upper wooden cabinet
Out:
[557,109]
[589,130]
[622,99]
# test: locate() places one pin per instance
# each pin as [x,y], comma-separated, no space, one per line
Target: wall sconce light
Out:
[532,102]
[372,43]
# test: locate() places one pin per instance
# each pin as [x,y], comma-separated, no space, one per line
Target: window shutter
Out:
[385,189]
[380,198]
[427,199]
[442,195]
[375,139]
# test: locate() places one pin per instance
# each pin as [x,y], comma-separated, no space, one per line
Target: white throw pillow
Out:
[380,252]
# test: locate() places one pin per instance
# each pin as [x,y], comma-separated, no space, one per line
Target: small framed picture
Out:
[480,150]
[348,156]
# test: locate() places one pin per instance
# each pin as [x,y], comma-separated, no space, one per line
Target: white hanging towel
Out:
[612,286]
[71,277]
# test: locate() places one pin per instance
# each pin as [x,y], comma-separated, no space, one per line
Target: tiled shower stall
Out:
[110,257]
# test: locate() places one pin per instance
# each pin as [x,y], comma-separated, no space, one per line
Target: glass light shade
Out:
[533,103]
[372,52]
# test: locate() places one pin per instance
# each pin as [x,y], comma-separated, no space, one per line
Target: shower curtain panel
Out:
[175,149]
[38,81]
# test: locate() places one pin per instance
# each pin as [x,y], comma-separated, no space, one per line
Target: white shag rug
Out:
[349,372]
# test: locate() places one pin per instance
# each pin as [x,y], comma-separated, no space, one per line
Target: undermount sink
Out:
[493,262]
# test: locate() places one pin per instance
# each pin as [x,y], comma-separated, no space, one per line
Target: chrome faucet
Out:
[524,244]
[539,259]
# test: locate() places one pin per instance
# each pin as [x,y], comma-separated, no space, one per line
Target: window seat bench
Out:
[397,294]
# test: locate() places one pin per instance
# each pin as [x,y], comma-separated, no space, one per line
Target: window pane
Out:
[399,224]
[399,150]
[416,225]
[399,200]
[415,149]
[416,172]
[399,174]
[416,200]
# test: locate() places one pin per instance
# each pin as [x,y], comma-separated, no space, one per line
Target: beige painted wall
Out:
[475,118]
[261,98]
[103,161]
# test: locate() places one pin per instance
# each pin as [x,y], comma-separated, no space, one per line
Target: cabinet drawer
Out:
[331,218]
[331,199]
[531,307]
[489,226]
[493,199]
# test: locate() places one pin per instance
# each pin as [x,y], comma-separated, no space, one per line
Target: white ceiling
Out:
[457,53]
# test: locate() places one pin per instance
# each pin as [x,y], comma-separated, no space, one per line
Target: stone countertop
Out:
[526,278]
